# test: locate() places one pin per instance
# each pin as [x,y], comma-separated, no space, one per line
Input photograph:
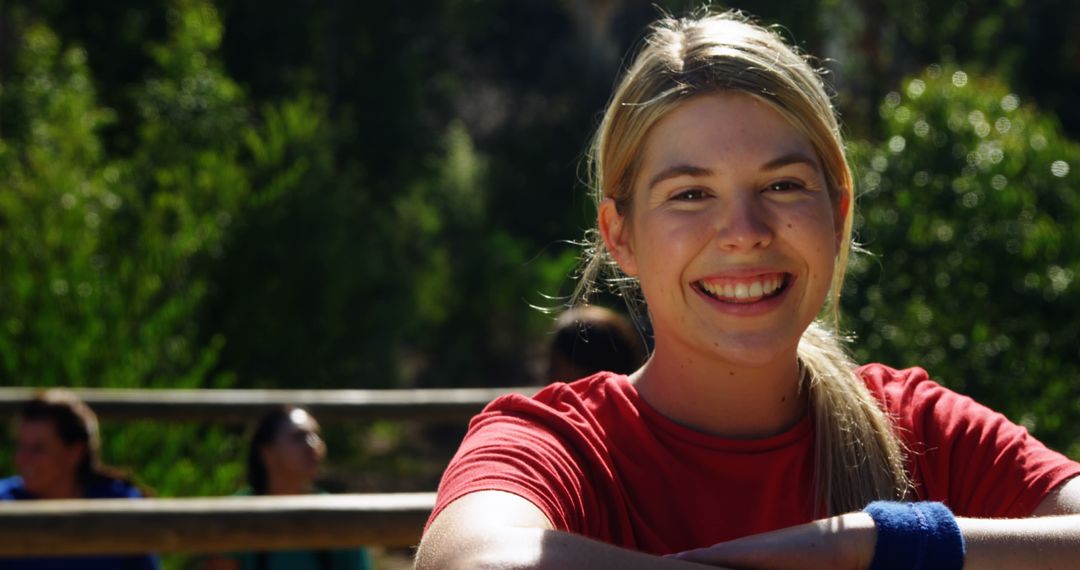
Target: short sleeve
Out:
[962,453]
[524,447]
[9,487]
[131,492]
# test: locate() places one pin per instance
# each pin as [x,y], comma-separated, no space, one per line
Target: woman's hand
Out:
[841,542]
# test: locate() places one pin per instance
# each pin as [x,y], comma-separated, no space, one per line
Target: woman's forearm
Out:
[501,531]
[535,549]
[1039,542]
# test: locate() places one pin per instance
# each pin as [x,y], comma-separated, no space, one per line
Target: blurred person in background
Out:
[592,339]
[284,458]
[57,456]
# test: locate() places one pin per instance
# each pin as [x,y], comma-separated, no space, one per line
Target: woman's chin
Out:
[750,351]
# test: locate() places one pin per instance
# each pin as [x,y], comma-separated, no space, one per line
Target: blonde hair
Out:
[858,458]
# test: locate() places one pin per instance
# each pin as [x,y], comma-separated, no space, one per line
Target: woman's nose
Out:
[743,224]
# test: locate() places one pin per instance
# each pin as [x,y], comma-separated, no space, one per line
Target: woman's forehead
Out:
[37,428]
[727,128]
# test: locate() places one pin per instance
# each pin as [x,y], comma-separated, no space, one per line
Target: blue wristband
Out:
[913,536]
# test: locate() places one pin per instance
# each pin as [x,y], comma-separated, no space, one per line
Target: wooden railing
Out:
[223,524]
[204,525]
[239,405]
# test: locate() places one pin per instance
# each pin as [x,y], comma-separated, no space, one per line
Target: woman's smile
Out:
[743,290]
[746,296]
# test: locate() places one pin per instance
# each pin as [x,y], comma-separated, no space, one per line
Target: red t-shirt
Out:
[600,462]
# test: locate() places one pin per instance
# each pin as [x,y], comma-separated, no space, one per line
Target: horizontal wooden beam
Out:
[204,525]
[215,405]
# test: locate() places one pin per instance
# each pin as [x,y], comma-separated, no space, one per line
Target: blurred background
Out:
[335,194]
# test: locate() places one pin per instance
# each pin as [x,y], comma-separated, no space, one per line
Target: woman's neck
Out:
[719,398]
[68,489]
[288,486]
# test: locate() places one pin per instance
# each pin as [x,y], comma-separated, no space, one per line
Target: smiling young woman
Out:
[748,438]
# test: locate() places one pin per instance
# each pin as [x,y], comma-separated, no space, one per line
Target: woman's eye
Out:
[690,195]
[784,186]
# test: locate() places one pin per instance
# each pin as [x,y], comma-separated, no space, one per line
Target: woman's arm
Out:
[1064,500]
[499,530]
[1049,539]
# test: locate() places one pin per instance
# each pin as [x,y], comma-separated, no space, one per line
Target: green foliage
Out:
[56,197]
[106,257]
[98,251]
[970,210]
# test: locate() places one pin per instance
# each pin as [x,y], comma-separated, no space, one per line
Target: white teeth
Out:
[742,291]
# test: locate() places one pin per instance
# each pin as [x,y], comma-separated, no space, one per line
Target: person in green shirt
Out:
[284,458]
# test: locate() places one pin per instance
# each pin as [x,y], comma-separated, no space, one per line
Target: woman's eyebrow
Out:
[789,159]
[699,171]
[679,170]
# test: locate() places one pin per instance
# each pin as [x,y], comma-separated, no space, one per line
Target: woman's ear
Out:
[616,233]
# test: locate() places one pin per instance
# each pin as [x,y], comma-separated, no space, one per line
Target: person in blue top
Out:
[57,456]
[284,457]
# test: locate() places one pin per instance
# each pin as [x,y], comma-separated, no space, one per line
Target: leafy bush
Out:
[106,257]
[971,213]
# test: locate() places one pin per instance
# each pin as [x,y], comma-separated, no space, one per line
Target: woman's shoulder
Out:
[897,386]
[561,398]
[112,488]
[583,408]
[913,398]
[876,374]
[591,387]
[11,488]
